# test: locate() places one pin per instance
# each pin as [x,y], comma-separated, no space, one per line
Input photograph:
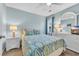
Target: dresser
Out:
[71,40]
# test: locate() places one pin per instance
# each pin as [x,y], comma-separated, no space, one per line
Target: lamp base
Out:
[13,34]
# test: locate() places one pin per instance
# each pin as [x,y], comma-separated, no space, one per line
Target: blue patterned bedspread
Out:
[40,45]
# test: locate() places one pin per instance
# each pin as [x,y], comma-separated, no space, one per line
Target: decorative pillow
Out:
[30,33]
[36,32]
[33,32]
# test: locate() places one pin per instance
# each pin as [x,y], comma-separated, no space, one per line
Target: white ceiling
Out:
[40,8]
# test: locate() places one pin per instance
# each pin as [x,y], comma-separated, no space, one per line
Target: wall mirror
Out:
[68,20]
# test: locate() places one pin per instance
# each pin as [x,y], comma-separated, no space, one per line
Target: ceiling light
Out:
[48,4]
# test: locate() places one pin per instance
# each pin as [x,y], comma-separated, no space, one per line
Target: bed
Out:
[42,45]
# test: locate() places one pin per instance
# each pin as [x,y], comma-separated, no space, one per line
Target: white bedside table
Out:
[2,45]
[12,43]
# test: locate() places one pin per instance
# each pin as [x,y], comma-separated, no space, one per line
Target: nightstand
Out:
[12,43]
[2,45]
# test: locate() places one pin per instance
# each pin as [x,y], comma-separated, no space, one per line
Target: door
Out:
[49,25]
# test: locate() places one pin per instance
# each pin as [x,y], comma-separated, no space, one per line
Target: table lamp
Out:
[13,28]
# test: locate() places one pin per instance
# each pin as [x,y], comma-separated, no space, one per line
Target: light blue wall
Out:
[28,20]
[2,19]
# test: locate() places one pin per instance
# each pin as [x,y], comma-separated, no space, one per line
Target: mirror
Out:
[68,20]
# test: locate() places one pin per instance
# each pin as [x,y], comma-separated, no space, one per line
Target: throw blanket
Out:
[41,45]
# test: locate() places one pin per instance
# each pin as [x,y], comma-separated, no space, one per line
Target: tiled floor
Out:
[18,52]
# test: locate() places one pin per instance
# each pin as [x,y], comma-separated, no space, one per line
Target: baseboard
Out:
[72,50]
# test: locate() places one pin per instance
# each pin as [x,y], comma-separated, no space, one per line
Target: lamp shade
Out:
[13,27]
[58,26]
